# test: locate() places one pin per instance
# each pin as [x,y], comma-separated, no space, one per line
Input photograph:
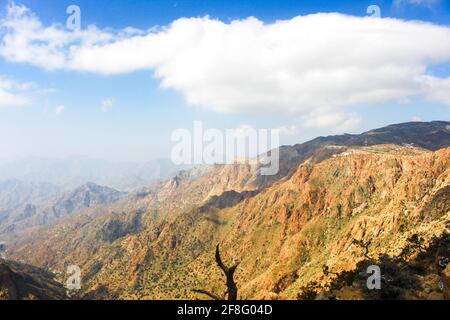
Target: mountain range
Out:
[338,203]
[34,209]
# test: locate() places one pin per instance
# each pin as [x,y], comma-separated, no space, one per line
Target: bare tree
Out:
[363,245]
[232,291]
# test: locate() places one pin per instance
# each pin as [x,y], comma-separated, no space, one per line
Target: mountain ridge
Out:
[159,245]
[31,214]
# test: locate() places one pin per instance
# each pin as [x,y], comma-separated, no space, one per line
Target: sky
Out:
[136,70]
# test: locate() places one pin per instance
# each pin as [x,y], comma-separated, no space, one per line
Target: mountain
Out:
[14,193]
[338,203]
[23,282]
[32,212]
[428,135]
[74,171]
[282,236]
[89,194]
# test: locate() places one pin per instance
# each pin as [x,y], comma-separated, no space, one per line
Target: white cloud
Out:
[341,122]
[11,93]
[436,89]
[311,66]
[289,130]
[8,99]
[350,124]
[26,39]
[107,104]
[59,110]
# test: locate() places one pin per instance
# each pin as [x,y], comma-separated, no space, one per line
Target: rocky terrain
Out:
[338,204]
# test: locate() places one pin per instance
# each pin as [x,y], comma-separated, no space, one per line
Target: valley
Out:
[338,203]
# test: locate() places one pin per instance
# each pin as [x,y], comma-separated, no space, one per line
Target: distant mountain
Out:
[428,135]
[89,198]
[86,196]
[14,193]
[34,212]
[75,171]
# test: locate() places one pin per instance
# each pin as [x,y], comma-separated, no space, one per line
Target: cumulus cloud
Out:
[12,92]
[313,66]
[26,39]
[107,104]
[289,130]
[437,90]
[342,122]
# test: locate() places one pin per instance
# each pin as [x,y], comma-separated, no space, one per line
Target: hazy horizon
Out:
[83,92]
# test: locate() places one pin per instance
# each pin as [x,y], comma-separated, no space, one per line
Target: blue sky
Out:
[63,112]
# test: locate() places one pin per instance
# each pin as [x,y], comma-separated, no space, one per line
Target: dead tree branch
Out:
[209,294]
[365,246]
[232,291]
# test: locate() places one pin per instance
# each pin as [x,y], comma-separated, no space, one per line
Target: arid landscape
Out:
[340,203]
[229,159]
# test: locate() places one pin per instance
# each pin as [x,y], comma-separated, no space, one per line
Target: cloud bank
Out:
[313,66]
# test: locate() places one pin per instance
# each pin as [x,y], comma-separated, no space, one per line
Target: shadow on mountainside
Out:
[419,272]
[20,281]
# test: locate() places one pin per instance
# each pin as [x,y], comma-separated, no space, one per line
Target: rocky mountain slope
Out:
[429,135]
[334,197]
[283,236]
